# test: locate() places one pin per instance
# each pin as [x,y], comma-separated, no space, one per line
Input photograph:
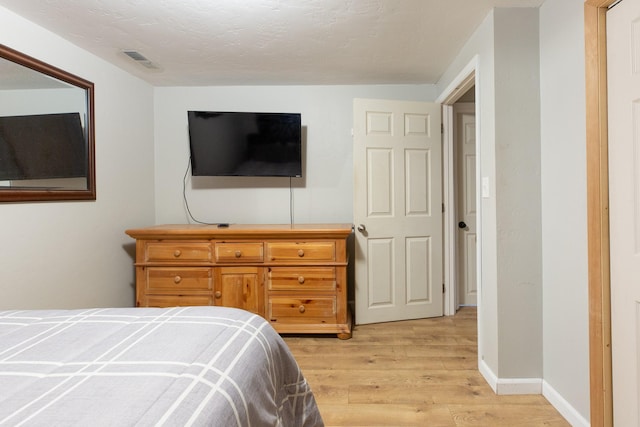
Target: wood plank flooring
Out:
[411,373]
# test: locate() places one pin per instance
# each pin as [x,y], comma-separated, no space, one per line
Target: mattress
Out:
[179,366]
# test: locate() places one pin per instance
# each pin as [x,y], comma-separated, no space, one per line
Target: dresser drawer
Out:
[179,279]
[176,300]
[301,279]
[240,252]
[177,252]
[301,251]
[312,310]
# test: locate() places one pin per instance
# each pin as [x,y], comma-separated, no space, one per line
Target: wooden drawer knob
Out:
[301,280]
[301,253]
[218,294]
[238,254]
[302,309]
[177,279]
[177,253]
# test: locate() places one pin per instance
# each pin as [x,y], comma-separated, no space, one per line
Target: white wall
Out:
[324,194]
[42,101]
[75,254]
[517,192]
[564,205]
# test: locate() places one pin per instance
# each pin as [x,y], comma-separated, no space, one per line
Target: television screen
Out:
[42,146]
[245,144]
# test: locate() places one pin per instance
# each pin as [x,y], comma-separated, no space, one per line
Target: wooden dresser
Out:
[295,276]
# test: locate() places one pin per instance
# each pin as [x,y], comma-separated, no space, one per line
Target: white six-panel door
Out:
[623,68]
[465,153]
[397,210]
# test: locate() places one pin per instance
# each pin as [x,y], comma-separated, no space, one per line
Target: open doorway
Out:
[465,208]
[460,100]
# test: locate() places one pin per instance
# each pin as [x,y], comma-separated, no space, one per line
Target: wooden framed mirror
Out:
[47,136]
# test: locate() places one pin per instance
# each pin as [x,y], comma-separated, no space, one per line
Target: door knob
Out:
[462,224]
[362,228]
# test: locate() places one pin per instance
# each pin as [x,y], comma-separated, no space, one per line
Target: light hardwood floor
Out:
[411,373]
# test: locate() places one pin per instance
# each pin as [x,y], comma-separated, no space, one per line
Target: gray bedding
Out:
[180,366]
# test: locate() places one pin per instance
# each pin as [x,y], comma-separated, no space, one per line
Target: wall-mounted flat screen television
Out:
[245,144]
[42,146]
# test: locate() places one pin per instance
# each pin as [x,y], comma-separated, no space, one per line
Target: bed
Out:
[179,366]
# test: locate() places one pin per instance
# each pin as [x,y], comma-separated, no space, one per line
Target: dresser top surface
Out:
[257,231]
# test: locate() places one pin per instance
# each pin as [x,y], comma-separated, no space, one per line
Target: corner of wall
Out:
[518,386]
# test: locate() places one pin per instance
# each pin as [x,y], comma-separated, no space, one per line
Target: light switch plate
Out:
[485,187]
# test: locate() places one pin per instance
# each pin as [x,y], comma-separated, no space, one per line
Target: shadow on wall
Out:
[130,249]
[351,276]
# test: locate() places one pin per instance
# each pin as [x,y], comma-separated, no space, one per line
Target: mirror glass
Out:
[46,132]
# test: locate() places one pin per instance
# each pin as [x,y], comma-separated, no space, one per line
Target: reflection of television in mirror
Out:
[245,144]
[42,146]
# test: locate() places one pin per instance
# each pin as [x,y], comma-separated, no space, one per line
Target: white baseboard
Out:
[533,386]
[566,410]
[519,386]
[488,375]
[510,385]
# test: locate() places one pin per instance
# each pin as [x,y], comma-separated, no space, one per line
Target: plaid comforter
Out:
[179,366]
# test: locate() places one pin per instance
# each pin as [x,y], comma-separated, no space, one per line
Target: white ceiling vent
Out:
[140,59]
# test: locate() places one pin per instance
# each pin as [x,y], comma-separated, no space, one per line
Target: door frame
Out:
[600,369]
[464,81]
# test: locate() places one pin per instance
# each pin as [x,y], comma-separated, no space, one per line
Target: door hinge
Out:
[441,127]
[443,208]
[443,288]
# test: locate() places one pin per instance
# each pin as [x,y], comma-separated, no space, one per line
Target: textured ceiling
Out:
[242,42]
